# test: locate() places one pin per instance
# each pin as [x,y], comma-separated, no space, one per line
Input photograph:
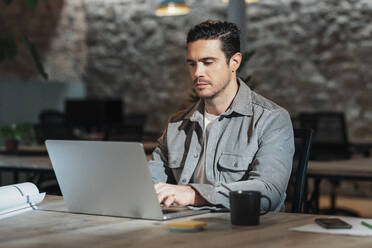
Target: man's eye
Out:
[191,64]
[208,62]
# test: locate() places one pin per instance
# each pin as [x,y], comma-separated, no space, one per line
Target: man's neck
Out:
[220,103]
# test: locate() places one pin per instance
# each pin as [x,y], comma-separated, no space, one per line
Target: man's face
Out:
[210,73]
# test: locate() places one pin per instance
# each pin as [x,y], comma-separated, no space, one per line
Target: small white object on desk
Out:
[18,198]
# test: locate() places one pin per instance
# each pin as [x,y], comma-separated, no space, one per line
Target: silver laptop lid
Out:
[105,178]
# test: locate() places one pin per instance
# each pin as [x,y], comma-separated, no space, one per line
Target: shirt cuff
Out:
[213,195]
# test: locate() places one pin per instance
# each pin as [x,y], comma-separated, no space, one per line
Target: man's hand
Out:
[179,194]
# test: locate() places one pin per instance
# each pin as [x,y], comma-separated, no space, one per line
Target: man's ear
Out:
[235,61]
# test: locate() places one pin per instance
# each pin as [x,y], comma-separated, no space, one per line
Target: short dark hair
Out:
[227,32]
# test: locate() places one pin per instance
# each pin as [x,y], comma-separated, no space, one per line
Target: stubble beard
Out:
[214,94]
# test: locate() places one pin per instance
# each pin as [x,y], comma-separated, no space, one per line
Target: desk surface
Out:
[50,226]
[25,162]
[43,162]
[356,167]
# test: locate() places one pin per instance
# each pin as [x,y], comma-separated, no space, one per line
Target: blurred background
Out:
[310,56]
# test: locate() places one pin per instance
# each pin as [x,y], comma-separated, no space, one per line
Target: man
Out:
[231,138]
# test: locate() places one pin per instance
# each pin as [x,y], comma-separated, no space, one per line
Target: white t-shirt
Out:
[199,175]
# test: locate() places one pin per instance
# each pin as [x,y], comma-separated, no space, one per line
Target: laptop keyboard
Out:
[169,211]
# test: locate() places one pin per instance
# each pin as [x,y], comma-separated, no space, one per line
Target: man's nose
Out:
[199,70]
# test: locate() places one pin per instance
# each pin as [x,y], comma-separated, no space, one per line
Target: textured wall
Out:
[310,54]
[66,57]
[314,55]
[141,57]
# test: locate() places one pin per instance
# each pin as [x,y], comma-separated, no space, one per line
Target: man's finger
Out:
[162,196]
[169,200]
[163,188]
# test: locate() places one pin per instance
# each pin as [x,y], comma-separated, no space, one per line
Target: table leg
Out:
[314,199]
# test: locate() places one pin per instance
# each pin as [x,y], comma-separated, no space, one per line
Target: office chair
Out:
[131,129]
[52,131]
[52,125]
[123,132]
[330,142]
[92,115]
[52,117]
[297,183]
[135,119]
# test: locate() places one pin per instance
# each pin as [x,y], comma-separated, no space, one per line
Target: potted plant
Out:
[12,134]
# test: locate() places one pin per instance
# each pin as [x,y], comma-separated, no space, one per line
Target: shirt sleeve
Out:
[157,165]
[269,170]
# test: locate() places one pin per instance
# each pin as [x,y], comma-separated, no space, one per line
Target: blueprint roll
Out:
[19,197]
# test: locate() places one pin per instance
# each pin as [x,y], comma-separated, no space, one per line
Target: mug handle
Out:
[264,196]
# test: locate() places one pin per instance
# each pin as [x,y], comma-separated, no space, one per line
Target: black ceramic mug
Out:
[245,207]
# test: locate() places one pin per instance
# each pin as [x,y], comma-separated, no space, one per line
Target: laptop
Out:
[108,178]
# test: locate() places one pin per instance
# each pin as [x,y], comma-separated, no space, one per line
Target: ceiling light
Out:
[172,8]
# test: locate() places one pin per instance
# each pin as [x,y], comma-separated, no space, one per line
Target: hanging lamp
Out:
[172,8]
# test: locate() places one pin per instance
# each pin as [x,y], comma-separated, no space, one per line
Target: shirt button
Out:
[184,180]
[196,155]
[235,165]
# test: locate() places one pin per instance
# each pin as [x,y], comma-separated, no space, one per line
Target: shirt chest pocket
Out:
[233,167]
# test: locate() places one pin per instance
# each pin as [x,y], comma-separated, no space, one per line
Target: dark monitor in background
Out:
[93,113]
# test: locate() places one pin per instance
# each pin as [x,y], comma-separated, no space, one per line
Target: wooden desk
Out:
[35,168]
[25,162]
[52,227]
[356,169]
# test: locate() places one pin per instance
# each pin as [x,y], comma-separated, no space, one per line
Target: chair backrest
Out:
[53,131]
[93,113]
[53,117]
[330,139]
[135,119]
[302,138]
[131,129]
[52,125]
[123,132]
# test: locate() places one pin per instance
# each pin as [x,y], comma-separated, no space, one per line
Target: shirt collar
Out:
[197,112]
[242,104]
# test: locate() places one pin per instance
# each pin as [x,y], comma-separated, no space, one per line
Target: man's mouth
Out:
[200,83]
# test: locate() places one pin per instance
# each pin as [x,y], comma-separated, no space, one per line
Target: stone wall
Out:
[141,57]
[310,54]
[66,57]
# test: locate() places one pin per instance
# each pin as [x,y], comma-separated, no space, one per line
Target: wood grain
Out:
[51,226]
